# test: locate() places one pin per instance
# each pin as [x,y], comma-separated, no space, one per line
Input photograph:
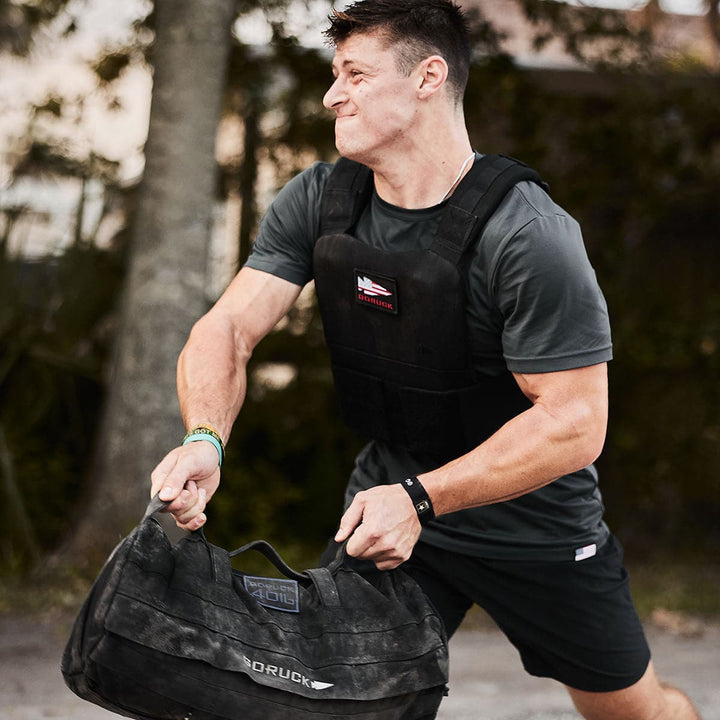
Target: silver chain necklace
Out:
[459,175]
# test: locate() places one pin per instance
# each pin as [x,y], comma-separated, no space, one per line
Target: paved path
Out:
[487,681]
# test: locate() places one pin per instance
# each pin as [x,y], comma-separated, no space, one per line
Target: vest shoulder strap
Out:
[346,193]
[481,191]
[475,200]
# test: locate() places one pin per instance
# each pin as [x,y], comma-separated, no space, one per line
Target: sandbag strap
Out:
[219,563]
[321,578]
[326,587]
[155,505]
[334,565]
[272,555]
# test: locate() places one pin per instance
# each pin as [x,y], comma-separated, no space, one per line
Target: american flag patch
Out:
[376,291]
[586,552]
[368,286]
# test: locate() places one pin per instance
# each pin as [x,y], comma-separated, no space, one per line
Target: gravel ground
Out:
[487,680]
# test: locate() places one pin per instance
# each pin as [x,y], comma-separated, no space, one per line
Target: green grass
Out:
[688,588]
[34,596]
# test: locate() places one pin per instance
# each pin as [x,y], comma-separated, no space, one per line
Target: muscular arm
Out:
[212,383]
[211,369]
[562,432]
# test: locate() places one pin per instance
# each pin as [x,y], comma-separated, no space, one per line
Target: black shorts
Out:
[572,621]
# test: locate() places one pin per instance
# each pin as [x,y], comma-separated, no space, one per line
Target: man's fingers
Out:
[196,461]
[384,549]
[184,501]
[176,481]
[188,508]
[169,477]
[350,520]
[160,474]
[381,525]
[185,479]
[360,543]
[194,524]
[193,503]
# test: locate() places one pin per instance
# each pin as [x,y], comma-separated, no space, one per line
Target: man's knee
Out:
[678,704]
[647,699]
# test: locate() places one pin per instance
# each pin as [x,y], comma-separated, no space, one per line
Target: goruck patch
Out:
[376,291]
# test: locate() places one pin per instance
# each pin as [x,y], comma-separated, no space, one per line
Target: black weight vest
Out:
[395,322]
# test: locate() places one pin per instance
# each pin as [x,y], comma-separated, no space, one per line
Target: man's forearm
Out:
[211,376]
[549,440]
[212,368]
[212,380]
[527,453]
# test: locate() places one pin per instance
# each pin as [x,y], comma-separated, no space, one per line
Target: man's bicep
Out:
[575,402]
[588,384]
[254,302]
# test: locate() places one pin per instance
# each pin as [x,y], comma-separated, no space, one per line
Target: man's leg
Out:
[647,699]
[572,621]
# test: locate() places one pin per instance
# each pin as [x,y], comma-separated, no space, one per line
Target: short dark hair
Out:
[417,29]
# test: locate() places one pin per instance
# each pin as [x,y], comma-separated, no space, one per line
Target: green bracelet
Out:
[202,432]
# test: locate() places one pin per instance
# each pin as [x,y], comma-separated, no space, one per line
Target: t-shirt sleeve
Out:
[554,315]
[287,233]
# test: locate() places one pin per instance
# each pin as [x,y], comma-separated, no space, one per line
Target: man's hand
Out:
[187,476]
[383,524]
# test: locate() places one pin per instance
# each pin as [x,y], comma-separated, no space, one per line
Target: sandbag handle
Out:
[264,547]
[155,505]
[339,558]
[322,577]
[325,585]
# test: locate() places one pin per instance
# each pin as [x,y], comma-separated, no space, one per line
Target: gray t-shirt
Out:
[533,306]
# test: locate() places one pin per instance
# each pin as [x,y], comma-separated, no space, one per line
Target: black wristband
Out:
[420,498]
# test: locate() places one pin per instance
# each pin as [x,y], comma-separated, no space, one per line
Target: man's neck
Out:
[422,174]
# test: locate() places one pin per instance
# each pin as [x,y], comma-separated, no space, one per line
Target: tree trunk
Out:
[165,286]
[713,23]
[17,517]
[248,174]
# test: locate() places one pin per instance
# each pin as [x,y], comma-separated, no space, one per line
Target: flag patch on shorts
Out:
[586,552]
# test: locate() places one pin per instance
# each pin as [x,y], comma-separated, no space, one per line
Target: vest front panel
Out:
[396,329]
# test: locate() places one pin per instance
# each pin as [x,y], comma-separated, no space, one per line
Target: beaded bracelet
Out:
[207,432]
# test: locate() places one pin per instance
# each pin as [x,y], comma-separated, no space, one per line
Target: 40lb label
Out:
[278,594]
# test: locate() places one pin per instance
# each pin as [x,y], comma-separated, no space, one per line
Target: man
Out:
[513,522]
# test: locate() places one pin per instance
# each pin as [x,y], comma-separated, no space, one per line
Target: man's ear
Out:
[432,74]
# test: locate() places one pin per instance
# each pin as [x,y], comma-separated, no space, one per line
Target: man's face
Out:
[373,102]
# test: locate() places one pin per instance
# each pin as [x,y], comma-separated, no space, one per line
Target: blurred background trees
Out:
[164,286]
[629,142]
